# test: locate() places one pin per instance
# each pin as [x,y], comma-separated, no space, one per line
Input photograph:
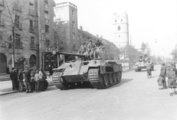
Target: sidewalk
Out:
[4,77]
[6,86]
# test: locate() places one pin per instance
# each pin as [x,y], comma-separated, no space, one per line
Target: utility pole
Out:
[39,45]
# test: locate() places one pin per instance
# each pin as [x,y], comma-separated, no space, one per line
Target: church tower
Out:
[121,30]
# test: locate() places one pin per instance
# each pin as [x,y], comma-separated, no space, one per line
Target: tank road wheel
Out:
[61,85]
[95,78]
[117,78]
[111,79]
[114,78]
[112,75]
[106,80]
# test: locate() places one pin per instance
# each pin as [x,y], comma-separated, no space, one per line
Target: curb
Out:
[8,93]
[4,79]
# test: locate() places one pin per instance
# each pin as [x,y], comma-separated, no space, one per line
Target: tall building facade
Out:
[25,26]
[121,30]
[67,26]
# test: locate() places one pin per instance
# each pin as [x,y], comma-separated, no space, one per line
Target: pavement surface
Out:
[135,98]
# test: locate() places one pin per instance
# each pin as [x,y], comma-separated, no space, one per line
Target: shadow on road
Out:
[123,81]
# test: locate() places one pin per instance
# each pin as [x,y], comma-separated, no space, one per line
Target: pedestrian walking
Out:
[149,74]
[162,77]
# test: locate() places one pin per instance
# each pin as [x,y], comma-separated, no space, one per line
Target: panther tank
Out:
[99,74]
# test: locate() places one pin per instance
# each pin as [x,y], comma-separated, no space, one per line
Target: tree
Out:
[145,49]
[132,53]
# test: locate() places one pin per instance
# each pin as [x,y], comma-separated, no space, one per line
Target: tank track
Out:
[59,83]
[102,81]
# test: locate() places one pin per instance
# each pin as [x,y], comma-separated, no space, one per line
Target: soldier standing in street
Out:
[27,80]
[149,69]
[21,82]
[162,76]
[171,75]
[12,77]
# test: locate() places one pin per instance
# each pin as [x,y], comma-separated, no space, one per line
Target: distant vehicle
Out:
[98,73]
[142,63]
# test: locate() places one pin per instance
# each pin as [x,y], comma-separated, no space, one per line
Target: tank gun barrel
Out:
[70,54]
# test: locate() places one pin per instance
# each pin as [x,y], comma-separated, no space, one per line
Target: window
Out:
[31,27]
[1,19]
[47,43]
[32,45]
[118,28]
[17,21]
[72,12]
[46,12]
[31,4]
[46,28]
[0,15]
[46,16]
[18,44]
[1,2]
[46,1]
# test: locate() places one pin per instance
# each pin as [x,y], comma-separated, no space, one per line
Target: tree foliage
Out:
[145,49]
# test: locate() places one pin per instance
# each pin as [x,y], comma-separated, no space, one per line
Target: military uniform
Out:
[171,75]
[162,76]
[148,69]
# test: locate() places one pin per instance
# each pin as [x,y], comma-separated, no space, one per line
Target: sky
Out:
[150,21]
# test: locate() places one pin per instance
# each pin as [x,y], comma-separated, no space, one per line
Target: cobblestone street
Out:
[136,98]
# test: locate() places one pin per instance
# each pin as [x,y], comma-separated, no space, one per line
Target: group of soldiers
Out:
[29,80]
[91,50]
[168,71]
